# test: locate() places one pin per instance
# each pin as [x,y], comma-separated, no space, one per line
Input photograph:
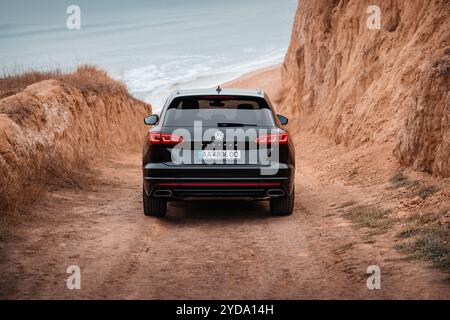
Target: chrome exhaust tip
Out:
[162,193]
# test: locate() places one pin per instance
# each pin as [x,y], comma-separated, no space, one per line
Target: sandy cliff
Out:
[362,88]
[52,128]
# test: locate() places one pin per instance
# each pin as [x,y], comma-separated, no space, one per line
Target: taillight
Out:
[280,138]
[164,138]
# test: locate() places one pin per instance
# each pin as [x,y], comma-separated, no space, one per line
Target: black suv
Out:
[216,144]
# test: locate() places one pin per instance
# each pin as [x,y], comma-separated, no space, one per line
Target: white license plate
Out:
[219,154]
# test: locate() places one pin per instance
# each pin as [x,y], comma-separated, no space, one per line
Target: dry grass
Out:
[426,191]
[399,180]
[369,217]
[85,77]
[50,171]
[427,237]
[416,187]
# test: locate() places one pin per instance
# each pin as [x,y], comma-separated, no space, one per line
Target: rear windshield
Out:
[217,111]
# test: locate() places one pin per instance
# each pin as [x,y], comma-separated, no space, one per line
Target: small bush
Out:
[409,232]
[426,191]
[400,180]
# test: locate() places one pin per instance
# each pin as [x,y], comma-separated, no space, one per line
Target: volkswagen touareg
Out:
[218,144]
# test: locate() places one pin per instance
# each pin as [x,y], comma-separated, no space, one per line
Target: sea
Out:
[153,46]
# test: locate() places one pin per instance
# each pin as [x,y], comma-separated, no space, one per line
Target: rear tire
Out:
[154,207]
[282,206]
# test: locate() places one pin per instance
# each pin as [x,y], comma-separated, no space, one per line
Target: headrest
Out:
[190,104]
[245,106]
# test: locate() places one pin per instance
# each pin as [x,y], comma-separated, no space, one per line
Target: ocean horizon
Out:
[154,46]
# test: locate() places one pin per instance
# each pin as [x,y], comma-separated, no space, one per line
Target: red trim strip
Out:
[220,184]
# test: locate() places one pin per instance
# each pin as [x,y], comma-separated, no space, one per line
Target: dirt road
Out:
[208,250]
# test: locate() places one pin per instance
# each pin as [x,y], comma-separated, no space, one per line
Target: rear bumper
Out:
[214,181]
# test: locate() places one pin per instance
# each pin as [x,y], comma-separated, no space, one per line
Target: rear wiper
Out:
[233,124]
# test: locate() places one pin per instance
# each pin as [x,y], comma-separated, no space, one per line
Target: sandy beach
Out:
[267,79]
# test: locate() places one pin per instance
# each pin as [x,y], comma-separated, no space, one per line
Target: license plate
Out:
[219,154]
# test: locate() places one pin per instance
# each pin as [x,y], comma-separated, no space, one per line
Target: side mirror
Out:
[151,120]
[283,120]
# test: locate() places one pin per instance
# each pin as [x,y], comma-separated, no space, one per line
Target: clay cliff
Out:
[52,130]
[361,87]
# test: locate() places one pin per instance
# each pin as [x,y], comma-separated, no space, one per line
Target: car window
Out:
[219,110]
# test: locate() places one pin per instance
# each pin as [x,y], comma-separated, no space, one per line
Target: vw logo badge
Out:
[219,135]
